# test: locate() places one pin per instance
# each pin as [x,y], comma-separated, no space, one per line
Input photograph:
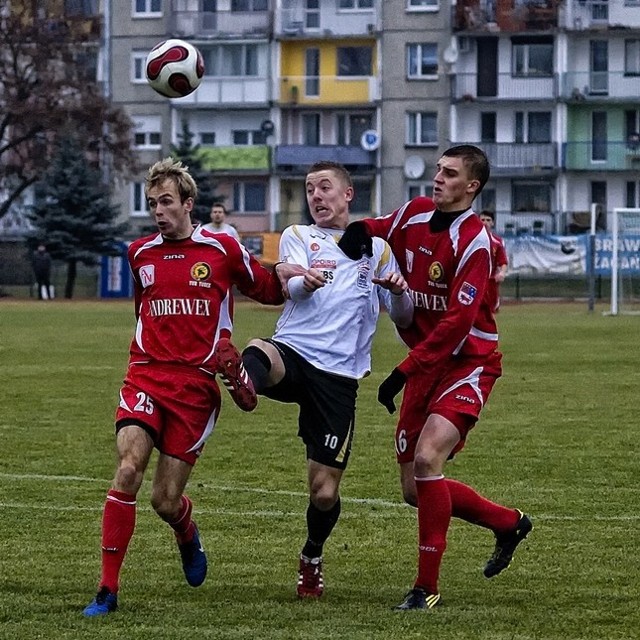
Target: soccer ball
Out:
[174,68]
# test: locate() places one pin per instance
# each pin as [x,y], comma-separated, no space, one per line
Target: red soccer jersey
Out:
[446,263]
[183,294]
[498,259]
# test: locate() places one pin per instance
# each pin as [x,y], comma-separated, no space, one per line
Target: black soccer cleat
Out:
[418,598]
[506,544]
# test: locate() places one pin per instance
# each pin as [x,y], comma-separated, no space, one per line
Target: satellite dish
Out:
[414,167]
[370,140]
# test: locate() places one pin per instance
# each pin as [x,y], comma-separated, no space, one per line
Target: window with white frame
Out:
[138,60]
[351,126]
[231,60]
[147,132]
[415,189]
[632,196]
[146,8]
[248,137]
[632,57]
[362,194]
[533,126]
[422,128]
[532,57]
[138,201]
[250,197]
[422,60]
[355,4]
[422,5]
[249,5]
[531,197]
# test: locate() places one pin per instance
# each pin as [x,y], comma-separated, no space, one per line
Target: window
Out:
[362,193]
[355,4]
[147,8]
[531,197]
[138,201]
[312,72]
[231,60]
[632,195]
[248,137]
[598,136]
[354,61]
[632,129]
[138,60]
[250,197]
[488,199]
[81,8]
[350,128]
[488,126]
[311,129]
[422,4]
[422,128]
[533,126]
[249,5]
[632,57]
[208,138]
[312,14]
[422,189]
[422,60]
[147,132]
[533,57]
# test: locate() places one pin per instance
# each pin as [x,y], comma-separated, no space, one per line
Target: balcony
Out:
[594,86]
[583,15]
[593,155]
[508,16]
[220,24]
[239,159]
[296,158]
[225,91]
[328,90]
[517,159]
[468,87]
[326,21]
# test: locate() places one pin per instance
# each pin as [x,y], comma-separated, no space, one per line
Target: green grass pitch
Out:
[558,439]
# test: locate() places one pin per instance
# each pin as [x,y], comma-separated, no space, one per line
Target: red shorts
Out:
[177,405]
[458,396]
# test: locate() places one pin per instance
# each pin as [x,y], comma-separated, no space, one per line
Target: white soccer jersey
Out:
[333,328]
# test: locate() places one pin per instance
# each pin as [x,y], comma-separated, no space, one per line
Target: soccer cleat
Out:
[194,560]
[234,376]
[506,544]
[105,602]
[418,598]
[310,580]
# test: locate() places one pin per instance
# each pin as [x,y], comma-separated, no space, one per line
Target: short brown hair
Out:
[329,165]
[474,159]
[174,170]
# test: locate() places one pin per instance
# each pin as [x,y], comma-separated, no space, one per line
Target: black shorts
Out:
[327,407]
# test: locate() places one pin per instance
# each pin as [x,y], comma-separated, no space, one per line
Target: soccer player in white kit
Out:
[321,348]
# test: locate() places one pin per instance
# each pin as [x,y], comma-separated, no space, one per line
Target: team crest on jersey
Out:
[436,272]
[147,275]
[467,293]
[200,271]
[315,246]
[409,256]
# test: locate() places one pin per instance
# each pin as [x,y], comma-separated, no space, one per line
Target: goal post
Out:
[625,262]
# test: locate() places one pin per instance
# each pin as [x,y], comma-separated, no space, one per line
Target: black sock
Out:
[258,365]
[319,526]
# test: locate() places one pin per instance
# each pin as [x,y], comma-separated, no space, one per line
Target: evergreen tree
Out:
[187,152]
[73,216]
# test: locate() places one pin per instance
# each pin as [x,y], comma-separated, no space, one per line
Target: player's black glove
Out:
[356,241]
[391,386]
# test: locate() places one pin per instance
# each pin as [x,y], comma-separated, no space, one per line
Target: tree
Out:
[187,152]
[47,81]
[73,216]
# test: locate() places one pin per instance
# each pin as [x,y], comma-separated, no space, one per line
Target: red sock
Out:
[118,523]
[434,515]
[183,524]
[469,505]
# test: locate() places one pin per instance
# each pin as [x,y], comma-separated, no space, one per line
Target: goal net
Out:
[625,262]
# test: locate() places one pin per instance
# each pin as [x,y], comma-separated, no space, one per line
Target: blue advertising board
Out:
[115,276]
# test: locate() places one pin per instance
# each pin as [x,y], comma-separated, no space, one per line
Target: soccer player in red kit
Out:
[170,400]
[499,261]
[444,255]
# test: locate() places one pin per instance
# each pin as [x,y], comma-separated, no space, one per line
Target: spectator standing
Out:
[219,222]
[499,261]
[41,262]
